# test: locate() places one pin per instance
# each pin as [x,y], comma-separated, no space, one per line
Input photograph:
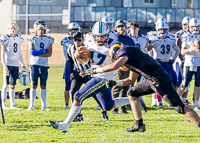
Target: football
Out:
[196,43]
[82,54]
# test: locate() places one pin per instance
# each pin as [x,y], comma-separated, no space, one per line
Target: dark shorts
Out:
[14,71]
[187,74]
[39,71]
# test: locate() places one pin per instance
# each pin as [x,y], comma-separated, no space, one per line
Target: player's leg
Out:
[13,78]
[197,89]
[141,88]
[34,74]
[67,84]
[4,90]
[171,97]
[43,82]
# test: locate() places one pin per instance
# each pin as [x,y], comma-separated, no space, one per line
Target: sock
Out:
[43,94]
[158,97]
[160,102]
[198,125]
[121,101]
[139,122]
[73,112]
[184,99]
[196,102]
[4,94]
[12,97]
[33,93]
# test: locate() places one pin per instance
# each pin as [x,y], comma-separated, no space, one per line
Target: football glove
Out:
[110,83]
[91,71]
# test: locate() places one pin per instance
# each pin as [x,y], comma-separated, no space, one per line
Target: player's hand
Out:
[91,71]
[110,83]
[82,74]
[7,72]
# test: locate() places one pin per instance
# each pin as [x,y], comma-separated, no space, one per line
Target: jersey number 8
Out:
[15,47]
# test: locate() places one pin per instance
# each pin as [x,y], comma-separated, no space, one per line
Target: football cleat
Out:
[161,106]
[30,108]
[5,107]
[45,108]
[78,118]
[105,115]
[196,107]
[136,128]
[60,126]
[67,107]
[15,107]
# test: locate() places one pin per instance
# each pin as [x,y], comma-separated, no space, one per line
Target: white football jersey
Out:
[13,49]
[40,43]
[88,38]
[99,57]
[179,34]
[153,35]
[162,47]
[141,42]
[192,58]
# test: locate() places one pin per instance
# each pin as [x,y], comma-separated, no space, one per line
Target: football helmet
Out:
[24,77]
[162,25]
[194,22]
[75,26]
[113,50]
[100,29]
[40,24]
[109,20]
[159,20]
[186,20]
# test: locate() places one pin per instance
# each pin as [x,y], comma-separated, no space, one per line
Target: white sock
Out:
[43,94]
[4,93]
[73,112]
[184,99]
[196,102]
[33,93]
[12,97]
[121,101]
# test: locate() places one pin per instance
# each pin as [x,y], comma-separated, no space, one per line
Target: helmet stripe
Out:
[24,80]
[195,20]
[100,27]
[162,24]
[106,18]
[73,23]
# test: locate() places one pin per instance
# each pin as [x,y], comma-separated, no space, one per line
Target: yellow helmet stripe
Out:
[111,49]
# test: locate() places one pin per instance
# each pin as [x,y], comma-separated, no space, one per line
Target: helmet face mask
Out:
[73,28]
[40,24]
[185,23]
[162,29]
[194,26]
[100,32]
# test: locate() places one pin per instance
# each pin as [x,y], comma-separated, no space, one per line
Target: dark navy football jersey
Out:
[143,64]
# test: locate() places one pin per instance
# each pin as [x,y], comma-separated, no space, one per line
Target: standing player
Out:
[99,57]
[162,46]
[192,60]
[72,28]
[10,56]
[40,49]
[156,80]
[178,65]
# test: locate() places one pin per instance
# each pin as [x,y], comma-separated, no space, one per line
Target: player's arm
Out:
[179,43]
[3,59]
[149,47]
[193,48]
[177,50]
[47,54]
[21,58]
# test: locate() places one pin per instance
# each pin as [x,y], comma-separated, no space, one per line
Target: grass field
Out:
[32,126]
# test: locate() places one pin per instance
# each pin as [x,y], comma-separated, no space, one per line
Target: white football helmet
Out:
[24,77]
[100,29]
[40,24]
[186,20]
[73,25]
[108,20]
[162,25]
[159,20]
[194,22]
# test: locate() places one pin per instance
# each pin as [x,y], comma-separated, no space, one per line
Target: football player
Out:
[192,60]
[10,56]
[40,47]
[178,65]
[99,57]
[156,80]
[162,46]
[72,28]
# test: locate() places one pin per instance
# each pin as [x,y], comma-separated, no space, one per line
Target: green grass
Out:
[32,126]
